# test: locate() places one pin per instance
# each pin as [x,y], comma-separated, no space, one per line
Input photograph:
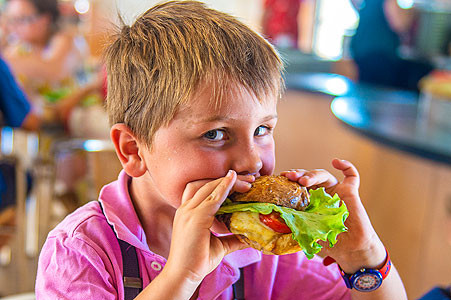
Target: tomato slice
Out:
[275,222]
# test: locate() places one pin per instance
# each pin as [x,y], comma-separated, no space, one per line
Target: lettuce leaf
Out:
[322,220]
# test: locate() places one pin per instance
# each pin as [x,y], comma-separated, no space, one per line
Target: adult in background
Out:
[50,61]
[16,111]
[375,45]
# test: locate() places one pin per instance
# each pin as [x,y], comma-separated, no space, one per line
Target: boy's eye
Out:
[261,130]
[215,135]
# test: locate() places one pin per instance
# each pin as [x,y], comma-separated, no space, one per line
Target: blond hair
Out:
[160,61]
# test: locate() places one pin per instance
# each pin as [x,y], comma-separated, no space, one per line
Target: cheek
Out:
[37,32]
[26,33]
[267,155]
[186,168]
[206,165]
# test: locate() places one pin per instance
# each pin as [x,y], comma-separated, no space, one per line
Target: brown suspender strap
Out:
[132,281]
[238,287]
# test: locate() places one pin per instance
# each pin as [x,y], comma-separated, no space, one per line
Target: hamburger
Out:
[278,216]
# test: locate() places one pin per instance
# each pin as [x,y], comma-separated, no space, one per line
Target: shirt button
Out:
[156,266]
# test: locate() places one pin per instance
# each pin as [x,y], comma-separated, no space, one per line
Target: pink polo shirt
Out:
[81,259]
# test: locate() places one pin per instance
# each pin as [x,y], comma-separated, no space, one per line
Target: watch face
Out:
[366,280]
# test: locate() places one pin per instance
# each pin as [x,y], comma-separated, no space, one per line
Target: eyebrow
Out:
[223,118]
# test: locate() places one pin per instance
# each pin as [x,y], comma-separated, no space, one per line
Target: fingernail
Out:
[229,173]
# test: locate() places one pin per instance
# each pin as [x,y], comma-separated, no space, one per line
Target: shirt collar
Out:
[120,213]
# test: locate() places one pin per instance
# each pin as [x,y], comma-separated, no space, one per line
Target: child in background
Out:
[192,97]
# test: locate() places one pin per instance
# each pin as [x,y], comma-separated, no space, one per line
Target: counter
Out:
[394,119]
[387,116]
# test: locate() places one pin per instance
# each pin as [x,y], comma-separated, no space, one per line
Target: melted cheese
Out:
[249,225]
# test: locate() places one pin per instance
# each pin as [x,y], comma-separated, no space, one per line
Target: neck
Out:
[155,215]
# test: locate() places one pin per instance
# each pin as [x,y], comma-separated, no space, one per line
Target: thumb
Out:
[349,171]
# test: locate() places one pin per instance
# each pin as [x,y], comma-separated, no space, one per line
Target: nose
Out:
[247,160]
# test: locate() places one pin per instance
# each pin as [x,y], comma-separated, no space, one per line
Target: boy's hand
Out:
[241,185]
[195,251]
[360,245]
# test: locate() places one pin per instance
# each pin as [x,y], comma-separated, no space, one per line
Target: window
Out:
[336,21]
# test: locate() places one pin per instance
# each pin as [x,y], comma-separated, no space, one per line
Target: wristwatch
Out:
[367,280]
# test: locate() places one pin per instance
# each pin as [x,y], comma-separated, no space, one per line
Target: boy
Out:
[192,99]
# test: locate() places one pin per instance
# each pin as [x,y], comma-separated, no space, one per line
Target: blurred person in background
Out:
[382,28]
[48,59]
[280,22]
[51,62]
[17,111]
[43,56]
[14,106]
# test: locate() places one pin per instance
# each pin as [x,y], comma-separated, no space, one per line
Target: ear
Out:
[127,149]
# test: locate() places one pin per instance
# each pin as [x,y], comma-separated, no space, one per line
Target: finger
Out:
[231,243]
[350,172]
[325,250]
[192,187]
[213,190]
[317,178]
[311,179]
[214,200]
[297,170]
[247,178]
[294,174]
[242,185]
[219,227]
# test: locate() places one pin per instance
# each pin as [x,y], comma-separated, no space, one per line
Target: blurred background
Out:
[366,80]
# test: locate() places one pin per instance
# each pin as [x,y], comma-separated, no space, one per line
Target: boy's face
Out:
[203,142]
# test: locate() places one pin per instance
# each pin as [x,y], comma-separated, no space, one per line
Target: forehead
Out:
[233,101]
[20,7]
